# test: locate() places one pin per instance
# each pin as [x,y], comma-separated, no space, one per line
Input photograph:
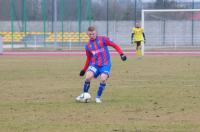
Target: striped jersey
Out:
[97,51]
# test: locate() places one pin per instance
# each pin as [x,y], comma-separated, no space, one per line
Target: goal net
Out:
[171,28]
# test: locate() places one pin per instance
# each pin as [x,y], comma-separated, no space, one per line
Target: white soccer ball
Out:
[84,97]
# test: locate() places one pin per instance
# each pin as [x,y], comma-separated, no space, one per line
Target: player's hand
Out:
[144,41]
[131,41]
[123,57]
[82,73]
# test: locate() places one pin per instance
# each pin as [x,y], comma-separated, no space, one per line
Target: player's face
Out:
[92,35]
[137,25]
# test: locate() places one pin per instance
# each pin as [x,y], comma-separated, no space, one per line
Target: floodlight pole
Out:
[79,19]
[192,23]
[55,23]
[107,24]
[12,20]
[135,11]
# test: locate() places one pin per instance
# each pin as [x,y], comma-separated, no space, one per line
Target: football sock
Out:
[100,90]
[137,52]
[86,86]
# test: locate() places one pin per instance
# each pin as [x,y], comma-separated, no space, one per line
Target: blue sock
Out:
[86,86]
[100,91]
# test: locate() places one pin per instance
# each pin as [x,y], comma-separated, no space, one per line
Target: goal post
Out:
[171,28]
[1,45]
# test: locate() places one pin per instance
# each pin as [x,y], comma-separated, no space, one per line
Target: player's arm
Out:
[116,47]
[144,36]
[87,62]
[142,29]
[132,35]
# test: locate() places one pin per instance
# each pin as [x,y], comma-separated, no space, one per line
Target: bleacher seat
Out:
[50,36]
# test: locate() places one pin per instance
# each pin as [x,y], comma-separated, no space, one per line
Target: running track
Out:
[80,53]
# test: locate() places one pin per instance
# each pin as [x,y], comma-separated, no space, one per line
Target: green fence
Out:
[46,23]
[63,23]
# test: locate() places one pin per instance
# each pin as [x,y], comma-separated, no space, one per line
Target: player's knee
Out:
[103,81]
[104,78]
[89,76]
[87,79]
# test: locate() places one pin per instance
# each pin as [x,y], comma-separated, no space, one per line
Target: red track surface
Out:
[80,53]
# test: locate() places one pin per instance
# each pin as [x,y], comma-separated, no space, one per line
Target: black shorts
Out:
[138,43]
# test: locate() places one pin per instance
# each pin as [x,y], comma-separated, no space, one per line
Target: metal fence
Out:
[63,23]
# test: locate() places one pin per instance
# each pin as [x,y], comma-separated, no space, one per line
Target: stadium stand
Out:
[9,37]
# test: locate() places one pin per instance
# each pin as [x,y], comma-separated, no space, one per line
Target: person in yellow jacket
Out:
[138,37]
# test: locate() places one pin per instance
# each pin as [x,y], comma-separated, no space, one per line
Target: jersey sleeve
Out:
[114,45]
[133,30]
[142,30]
[87,62]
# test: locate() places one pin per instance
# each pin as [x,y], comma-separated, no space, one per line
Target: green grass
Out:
[155,94]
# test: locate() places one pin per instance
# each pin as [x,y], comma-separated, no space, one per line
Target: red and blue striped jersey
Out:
[97,51]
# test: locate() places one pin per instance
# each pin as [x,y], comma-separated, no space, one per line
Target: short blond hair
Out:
[91,29]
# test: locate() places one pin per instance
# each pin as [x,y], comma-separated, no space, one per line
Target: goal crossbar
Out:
[165,10]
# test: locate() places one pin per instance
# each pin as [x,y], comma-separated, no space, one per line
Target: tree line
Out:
[82,9]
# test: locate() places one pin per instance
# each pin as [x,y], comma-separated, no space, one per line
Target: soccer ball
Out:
[84,97]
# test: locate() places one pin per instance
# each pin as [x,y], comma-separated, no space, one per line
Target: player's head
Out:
[92,32]
[137,25]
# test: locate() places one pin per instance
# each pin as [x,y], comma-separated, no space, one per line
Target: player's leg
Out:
[88,78]
[92,71]
[139,49]
[142,48]
[105,71]
[102,86]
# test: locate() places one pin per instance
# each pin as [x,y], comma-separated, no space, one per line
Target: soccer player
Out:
[137,37]
[98,61]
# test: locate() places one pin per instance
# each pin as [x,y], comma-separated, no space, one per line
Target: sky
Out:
[173,0]
[155,0]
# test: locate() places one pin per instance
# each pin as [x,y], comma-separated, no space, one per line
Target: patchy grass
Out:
[155,94]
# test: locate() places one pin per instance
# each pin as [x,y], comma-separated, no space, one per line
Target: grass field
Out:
[155,94]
